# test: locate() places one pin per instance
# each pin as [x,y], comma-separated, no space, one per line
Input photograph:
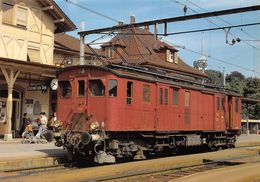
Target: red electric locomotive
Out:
[113,111]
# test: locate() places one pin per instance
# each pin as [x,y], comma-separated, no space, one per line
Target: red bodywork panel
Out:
[195,110]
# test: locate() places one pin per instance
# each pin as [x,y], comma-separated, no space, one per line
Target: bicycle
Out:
[40,136]
[27,137]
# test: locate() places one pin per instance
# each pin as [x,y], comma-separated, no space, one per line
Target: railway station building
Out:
[27,41]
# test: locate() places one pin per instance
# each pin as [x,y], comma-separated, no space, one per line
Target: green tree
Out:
[214,77]
[235,74]
[252,90]
[235,81]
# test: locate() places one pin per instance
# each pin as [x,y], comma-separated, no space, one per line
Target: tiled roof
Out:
[141,47]
[66,42]
[56,12]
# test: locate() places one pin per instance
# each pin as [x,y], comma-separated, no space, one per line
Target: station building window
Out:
[81,88]
[96,88]
[129,96]
[146,93]
[161,96]
[112,89]
[7,8]
[169,56]
[66,89]
[166,96]
[109,51]
[175,96]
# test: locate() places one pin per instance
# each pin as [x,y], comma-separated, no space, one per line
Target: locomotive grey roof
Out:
[156,77]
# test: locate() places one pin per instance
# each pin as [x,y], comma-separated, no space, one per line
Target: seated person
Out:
[54,124]
[28,130]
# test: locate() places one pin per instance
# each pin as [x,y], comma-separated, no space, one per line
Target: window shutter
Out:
[34,55]
[21,16]
[176,59]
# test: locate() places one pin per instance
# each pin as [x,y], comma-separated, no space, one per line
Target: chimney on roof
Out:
[120,23]
[146,28]
[132,19]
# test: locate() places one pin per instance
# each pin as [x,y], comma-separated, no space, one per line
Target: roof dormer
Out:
[172,56]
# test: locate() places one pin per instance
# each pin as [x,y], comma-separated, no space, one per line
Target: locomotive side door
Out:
[219,122]
[234,104]
[162,108]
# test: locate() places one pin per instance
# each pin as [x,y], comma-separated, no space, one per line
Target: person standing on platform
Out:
[25,123]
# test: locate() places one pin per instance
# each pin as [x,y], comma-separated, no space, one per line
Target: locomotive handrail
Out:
[175,78]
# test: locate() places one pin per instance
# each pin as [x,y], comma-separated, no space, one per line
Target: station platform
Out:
[15,155]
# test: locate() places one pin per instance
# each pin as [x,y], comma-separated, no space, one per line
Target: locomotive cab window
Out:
[129,90]
[112,90]
[96,88]
[81,88]
[146,93]
[66,89]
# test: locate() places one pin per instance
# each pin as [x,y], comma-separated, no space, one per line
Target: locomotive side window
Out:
[236,104]
[175,96]
[96,88]
[146,93]
[161,96]
[187,99]
[66,89]
[81,88]
[218,103]
[223,103]
[129,90]
[166,96]
[112,90]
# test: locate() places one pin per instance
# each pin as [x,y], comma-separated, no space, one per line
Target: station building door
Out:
[16,114]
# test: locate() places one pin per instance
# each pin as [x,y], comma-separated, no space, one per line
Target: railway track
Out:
[163,173]
[169,174]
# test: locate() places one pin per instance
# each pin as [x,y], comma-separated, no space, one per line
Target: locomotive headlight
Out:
[94,125]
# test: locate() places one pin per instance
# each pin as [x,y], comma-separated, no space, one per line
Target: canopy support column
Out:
[10,77]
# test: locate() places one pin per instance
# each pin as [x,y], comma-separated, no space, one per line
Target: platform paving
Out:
[15,155]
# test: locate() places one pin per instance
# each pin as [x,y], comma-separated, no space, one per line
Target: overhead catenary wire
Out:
[222,19]
[112,19]
[177,2]
[211,29]
[216,59]
[187,31]
[92,11]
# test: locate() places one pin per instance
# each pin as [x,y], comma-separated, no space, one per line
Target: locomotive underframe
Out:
[106,147]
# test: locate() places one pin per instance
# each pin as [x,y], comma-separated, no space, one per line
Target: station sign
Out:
[37,88]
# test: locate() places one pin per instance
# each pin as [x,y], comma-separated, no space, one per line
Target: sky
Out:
[243,56]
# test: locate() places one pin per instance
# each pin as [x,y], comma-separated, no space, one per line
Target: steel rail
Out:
[210,164]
